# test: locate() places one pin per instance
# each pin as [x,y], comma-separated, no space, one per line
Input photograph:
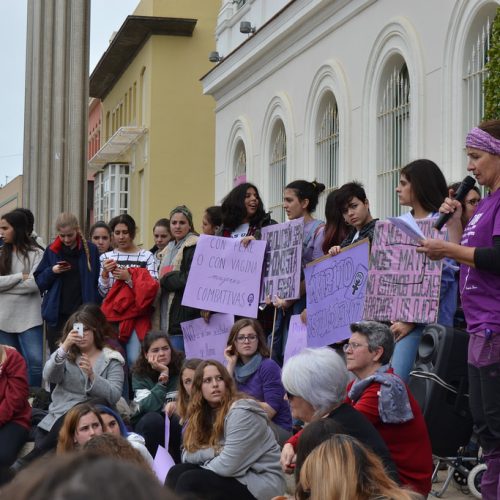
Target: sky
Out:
[106,17]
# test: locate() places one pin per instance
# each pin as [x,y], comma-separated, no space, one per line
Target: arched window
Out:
[277,171]
[393,138]
[327,147]
[240,164]
[475,59]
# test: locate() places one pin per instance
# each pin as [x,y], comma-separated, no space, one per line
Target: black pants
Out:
[151,427]
[12,438]
[192,482]
[54,333]
[45,441]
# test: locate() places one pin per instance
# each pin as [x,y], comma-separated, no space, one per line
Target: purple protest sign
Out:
[207,340]
[403,285]
[297,337]
[163,461]
[225,276]
[335,293]
[282,260]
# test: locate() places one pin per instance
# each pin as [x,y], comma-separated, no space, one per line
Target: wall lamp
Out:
[215,57]
[247,28]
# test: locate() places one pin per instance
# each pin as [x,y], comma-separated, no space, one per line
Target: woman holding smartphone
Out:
[67,276]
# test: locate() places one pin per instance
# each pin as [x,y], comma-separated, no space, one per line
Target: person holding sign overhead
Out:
[174,270]
[255,374]
[477,248]
[422,187]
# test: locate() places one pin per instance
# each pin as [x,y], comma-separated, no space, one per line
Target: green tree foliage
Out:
[492,81]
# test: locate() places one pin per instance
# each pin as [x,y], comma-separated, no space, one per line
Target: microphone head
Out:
[465,186]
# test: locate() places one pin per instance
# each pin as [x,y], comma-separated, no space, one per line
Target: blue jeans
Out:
[30,344]
[405,353]
[133,349]
[177,342]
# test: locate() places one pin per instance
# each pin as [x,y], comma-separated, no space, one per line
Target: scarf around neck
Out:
[242,372]
[393,402]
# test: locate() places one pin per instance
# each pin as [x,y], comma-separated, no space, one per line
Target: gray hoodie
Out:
[249,451]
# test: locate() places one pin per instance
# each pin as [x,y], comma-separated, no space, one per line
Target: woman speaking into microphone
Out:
[477,248]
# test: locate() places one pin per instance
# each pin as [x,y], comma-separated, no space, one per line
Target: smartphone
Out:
[79,328]
[63,263]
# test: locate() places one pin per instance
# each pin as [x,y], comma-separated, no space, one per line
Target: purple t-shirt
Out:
[480,290]
[265,385]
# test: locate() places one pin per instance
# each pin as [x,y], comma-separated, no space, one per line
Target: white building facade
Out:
[345,89]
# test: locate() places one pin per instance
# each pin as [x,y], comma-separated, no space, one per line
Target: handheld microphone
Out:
[465,186]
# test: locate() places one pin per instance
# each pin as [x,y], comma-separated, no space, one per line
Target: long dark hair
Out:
[22,242]
[262,348]
[336,228]
[124,219]
[428,184]
[142,366]
[233,207]
[305,190]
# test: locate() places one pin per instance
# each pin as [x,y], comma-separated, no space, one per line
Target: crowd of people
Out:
[339,418]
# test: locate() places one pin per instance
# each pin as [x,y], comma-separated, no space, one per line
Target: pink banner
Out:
[335,293]
[282,260]
[207,340]
[225,276]
[403,285]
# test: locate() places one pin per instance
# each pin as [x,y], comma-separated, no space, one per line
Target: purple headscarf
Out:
[479,139]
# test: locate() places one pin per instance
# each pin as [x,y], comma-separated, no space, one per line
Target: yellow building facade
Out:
[157,133]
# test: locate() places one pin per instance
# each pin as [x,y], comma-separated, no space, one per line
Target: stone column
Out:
[56,103]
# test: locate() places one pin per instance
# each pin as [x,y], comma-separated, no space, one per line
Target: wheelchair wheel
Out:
[474,480]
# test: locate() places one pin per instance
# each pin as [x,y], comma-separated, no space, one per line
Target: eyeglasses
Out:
[473,202]
[289,395]
[352,346]
[246,338]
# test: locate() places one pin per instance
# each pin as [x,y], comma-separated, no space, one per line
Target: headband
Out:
[479,139]
[185,211]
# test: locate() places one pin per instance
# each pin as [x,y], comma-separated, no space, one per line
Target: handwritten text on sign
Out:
[403,285]
[225,276]
[207,340]
[281,275]
[335,295]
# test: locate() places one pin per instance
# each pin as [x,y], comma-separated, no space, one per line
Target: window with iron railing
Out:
[277,172]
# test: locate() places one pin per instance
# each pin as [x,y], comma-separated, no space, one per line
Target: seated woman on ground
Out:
[15,410]
[256,374]
[155,378]
[316,381]
[112,423]
[229,447]
[80,424]
[342,468]
[82,368]
[387,403]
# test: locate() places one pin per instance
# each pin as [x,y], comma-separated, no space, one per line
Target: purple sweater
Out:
[265,385]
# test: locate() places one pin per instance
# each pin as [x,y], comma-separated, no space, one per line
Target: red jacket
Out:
[132,306]
[408,442]
[14,390]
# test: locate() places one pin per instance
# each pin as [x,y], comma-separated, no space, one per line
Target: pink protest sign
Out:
[403,285]
[335,293]
[225,276]
[282,260]
[207,340]
[297,337]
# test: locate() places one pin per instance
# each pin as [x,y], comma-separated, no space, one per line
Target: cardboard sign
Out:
[225,276]
[297,337]
[207,340]
[282,260]
[403,285]
[335,293]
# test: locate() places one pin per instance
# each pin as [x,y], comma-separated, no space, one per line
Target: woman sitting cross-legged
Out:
[229,448]
[383,398]
[256,374]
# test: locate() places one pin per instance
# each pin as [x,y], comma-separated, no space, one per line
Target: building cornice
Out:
[133,34]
